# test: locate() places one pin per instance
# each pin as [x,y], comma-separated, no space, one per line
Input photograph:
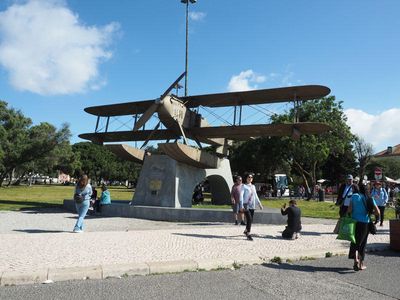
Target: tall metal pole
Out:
[187,46]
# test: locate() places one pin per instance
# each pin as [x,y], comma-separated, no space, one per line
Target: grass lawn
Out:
[40,196]
[37,196]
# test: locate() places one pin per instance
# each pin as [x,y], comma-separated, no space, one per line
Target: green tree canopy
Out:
[99,163]
[22,143]
[308,154]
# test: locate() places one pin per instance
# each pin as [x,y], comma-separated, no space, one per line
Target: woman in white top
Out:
[248,202]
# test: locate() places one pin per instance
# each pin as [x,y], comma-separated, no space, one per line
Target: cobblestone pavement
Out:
[34,240]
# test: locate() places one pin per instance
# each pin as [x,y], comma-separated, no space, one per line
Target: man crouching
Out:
[293,228]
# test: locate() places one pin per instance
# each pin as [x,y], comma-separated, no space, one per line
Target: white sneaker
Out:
[78,231]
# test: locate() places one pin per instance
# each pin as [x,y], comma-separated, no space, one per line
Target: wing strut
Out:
[151,135]
[183,133]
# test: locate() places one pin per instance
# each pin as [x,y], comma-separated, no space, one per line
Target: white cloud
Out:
[380,130]
[197,15]
[245,81]
[47,50]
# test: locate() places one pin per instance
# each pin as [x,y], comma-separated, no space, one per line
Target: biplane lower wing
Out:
[127,152]
[190,155]
[140,135]
[245,132]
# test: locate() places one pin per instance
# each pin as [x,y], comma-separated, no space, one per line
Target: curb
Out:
[11,278]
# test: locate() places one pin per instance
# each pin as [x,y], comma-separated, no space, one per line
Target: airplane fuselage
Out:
[172,113]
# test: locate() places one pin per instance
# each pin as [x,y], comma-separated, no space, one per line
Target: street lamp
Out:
[187,39]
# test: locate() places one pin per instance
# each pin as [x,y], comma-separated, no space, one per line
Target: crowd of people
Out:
[245,200]
[365,203]
[356,200]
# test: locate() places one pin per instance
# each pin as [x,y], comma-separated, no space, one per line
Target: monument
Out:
[168,179]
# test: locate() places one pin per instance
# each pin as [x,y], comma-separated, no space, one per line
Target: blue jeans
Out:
[81,209]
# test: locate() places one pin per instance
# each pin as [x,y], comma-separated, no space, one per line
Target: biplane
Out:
[182,122]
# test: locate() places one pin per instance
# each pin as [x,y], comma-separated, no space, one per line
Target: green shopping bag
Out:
[347,229]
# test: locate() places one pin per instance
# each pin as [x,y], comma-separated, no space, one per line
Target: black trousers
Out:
[343,211]
[382,210]
[249,218]
[361,236]
[252,214]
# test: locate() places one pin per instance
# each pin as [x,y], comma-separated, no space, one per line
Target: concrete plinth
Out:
[394,226]
[165,182]
[171,214]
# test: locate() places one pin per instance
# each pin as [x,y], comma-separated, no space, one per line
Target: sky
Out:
[59,56]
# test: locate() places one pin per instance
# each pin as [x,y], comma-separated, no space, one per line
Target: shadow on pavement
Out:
[33,207]
[311,233]
[39,231]
[311,269]
[272,237]
[210,236]
[201,224]
[386,253]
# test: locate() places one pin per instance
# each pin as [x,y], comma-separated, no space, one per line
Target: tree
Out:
[61,158]
[22,143]
[363,152]
[261,156]
[308,154]
[338,165]
[99,163]
[13,134]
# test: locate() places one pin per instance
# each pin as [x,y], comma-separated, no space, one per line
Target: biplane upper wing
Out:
[306,92]
[118,136]
[120,109]
[285,94]
[245,132]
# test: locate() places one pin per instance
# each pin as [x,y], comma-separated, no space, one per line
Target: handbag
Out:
[371,226]
[78,198]
[347,229]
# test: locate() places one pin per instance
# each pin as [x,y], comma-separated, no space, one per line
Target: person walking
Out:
[248,198]
[344,195]
[358,208]
[82,195]
[293,228]
[380,196]
[235,199]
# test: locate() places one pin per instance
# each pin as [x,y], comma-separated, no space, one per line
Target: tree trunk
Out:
[304,174]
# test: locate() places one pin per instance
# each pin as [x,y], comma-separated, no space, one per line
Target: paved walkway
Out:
[36,246]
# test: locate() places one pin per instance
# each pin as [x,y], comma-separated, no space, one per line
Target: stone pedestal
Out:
[167,183]
[394,228]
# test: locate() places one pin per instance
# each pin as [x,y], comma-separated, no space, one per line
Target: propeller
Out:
[146,115]
[154,107]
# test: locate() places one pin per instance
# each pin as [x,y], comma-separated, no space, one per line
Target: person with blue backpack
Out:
[360,208]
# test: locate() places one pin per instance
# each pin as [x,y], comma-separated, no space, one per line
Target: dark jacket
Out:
[340,199]
[294,218]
